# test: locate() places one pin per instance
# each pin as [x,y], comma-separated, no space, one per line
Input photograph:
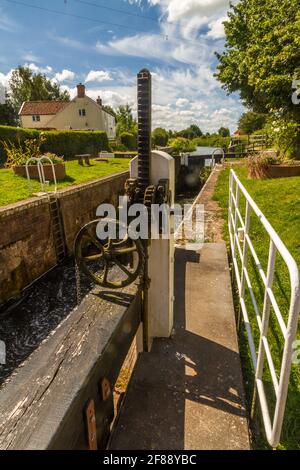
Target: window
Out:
[82,112]
[36,118]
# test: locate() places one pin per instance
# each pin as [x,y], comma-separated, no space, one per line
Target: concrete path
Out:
[188,392]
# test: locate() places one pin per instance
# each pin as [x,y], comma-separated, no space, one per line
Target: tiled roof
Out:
[42,107]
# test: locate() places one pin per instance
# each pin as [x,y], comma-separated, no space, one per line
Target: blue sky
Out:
[105,48]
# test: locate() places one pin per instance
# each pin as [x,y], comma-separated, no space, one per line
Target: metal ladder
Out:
[57,229]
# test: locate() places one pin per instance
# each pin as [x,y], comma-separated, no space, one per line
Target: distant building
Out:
[2,94]
[82,113]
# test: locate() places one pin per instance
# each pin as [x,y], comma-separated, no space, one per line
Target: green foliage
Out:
[224,132]
[8,116]
[261,60]
[181,144]
[128,140]
[19,152]
[258,165]
[64,143]
[71,143]
[28,86]
[262,53]
[285,135]
[212,140]
[125,120]
[108,109]
[190,133]
[160,137]
[117,147]
[251,122]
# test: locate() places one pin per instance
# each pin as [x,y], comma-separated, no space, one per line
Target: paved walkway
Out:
[188,392]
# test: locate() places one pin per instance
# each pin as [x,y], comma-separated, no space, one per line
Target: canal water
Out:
[46,304]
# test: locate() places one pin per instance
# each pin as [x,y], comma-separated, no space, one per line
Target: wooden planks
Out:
[42,405]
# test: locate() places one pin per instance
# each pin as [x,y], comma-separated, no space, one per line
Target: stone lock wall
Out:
[27,248]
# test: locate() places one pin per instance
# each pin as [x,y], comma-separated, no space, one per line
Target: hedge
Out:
[128,140]
[62,143]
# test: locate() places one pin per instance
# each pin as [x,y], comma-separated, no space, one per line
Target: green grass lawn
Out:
[279,200]
[15,188]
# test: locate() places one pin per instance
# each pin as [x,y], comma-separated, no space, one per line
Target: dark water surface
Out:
[47,303]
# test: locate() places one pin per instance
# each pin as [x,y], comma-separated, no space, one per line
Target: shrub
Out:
[71,143]
[19,153]
[212,141]
[65,143]
[257,165]
[128,140]
[160,137]
[182,145]
[14,135]
[285,136]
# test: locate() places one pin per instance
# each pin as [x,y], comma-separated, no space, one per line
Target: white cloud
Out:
[217,28]
[30,57]
[182,102]
[64,75]
[37,69]
[98,76]
[7,24]
[4,78]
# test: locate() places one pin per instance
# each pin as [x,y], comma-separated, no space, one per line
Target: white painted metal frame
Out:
[39,162]
[241,247]
[213,160]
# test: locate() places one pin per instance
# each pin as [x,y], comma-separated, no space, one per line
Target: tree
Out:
[25,85]
[224,132]
[196,130]
[8,116]
[190,133]
[160,137]
[250,122]
[262,54]
[180,144]
[125,120]
[108,109]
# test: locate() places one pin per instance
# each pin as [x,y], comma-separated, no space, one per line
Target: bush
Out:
[128,140]
[14,135]
[182,145]
[71,143]
[212,141]
[160,137]
[285,136]
[258,165]
[64,143]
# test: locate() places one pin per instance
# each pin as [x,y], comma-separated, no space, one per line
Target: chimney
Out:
[99,101]
[80,90]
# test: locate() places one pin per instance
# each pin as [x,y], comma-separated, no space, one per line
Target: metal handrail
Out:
[40,172]
[213,162]
[239,233]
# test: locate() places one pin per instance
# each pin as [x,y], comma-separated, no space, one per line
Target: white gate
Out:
[241,248]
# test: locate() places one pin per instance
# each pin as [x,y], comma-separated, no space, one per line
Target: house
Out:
[2,94]
[82,113]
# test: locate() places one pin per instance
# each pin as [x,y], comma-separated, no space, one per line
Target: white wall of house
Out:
[29,123]
[80,114]
[2,94]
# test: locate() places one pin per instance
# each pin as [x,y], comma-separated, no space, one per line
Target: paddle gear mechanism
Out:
[118,262]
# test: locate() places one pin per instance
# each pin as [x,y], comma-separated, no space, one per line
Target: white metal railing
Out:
[41,173]
[241,248]
[214,154]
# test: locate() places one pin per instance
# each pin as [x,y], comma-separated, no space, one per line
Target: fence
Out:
[241,248]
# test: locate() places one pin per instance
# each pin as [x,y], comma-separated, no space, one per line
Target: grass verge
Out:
[279,200]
